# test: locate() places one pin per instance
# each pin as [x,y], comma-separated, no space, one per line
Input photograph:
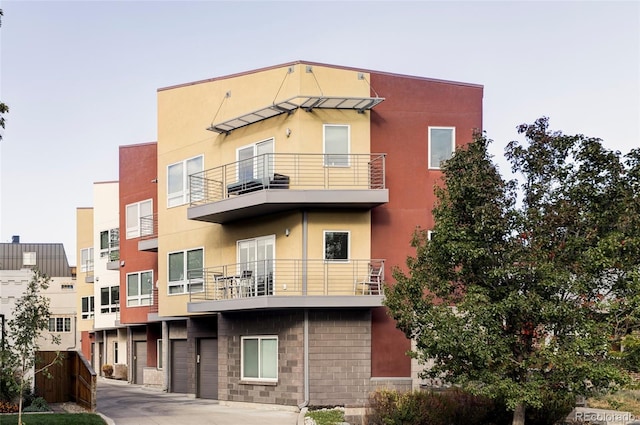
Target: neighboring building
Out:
[104,340]
[281,199]
[85,302]
[139,262]
[17,262]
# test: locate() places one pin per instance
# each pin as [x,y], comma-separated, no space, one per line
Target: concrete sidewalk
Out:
[124,404]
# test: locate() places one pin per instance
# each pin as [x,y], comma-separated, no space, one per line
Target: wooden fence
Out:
[71,379]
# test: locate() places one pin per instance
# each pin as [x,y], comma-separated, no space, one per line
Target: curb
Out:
[107,419]
[301,415]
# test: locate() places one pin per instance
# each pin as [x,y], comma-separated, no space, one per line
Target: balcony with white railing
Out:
[278,284]
[272,183]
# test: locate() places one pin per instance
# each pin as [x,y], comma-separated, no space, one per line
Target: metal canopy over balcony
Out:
[289,106]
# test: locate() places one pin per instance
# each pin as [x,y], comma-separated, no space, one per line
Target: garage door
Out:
[208,368]
[140,360]
[179,366]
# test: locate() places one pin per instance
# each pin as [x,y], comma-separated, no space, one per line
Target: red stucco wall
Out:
[138,168]
[399,129]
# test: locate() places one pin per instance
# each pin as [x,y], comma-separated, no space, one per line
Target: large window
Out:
[185,271]
[178,180]
[255,161]
[259,358]
[139,288]
[441,145]
[59,324]
[86,258]
[336,245]
[87,307]
[110,299]
[110,244]
[134,213]
[336,145]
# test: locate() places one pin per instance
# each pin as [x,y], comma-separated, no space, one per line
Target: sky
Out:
[81,77]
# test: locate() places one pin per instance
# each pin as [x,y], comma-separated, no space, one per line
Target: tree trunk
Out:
[518,415]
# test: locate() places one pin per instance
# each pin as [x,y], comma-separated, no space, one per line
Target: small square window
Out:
[260,358]
[336,245]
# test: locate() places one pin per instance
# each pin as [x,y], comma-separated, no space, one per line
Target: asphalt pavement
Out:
[125,404]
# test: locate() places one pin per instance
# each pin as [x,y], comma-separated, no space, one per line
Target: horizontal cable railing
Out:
[288,278]
[149,226]
[288,171]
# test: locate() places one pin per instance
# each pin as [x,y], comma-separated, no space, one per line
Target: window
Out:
[259,358]
[110,244]
[336,245]
[441,145]
[110,299]
[28,258]
[115,352]
[336,145]
[86,258]
[255,258]
[185,271]
[59,324]
[159,354]
[139,288]
[178,180]
[255,161]
[87,307]
[135,212]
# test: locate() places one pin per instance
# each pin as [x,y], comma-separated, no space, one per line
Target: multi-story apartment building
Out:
[257,235]
[17,262]
[103,339]
[139,262]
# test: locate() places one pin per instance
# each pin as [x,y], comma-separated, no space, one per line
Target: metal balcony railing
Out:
[149,226]
[288,171]
[288,278]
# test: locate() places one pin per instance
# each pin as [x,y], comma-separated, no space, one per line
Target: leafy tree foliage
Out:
[25,329]
[525,284]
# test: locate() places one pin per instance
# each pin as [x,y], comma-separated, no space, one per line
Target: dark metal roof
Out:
[51,258]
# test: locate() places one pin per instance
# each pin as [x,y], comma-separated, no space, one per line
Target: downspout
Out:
[165,356]
[305,330]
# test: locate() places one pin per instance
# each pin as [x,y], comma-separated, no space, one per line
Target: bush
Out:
[457,407]
[107,369]
[39,404]
[453,406]
[8,407]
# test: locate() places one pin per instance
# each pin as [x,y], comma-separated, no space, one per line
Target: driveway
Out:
[128,404]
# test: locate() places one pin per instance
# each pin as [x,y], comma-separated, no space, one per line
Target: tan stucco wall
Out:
[84,239]
[186,111]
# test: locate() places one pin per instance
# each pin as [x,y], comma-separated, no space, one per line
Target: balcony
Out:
[279,284]
[148,233]
[271,183]
[113,263]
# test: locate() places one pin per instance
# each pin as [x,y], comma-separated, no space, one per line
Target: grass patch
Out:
[54,419]
[625,400]
[326,417]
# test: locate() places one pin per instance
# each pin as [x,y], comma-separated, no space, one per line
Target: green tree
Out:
[30,319]
[512,297]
